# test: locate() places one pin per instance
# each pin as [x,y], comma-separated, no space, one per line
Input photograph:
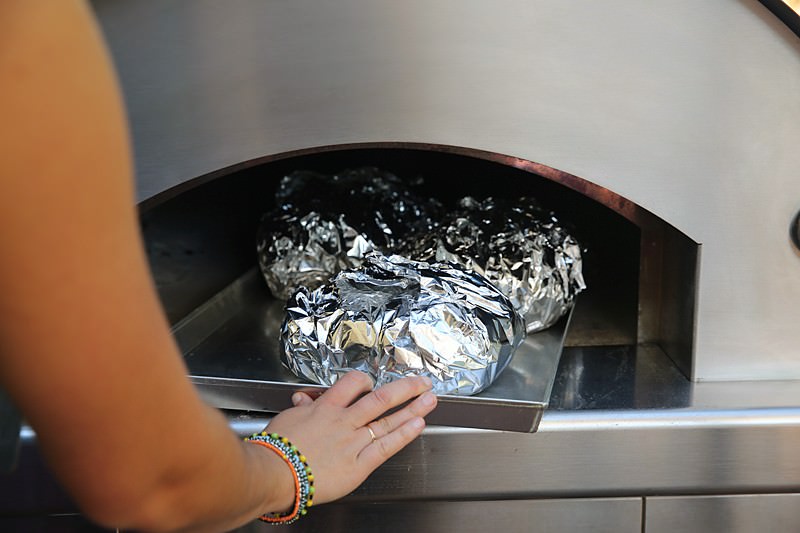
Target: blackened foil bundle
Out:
[324,224]
[394,317]
[518,246]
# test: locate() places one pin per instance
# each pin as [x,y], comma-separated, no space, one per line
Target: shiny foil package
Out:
[324,224]
[394,317]
[295,251]
[518,246]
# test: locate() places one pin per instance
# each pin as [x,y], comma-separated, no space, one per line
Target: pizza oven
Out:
[694,150]
[664,133]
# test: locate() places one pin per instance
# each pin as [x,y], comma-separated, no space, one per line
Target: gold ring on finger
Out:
[371,434]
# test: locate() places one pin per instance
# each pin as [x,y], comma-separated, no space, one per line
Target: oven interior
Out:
[640,271]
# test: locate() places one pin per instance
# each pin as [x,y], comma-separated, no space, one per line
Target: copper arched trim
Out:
[606,197]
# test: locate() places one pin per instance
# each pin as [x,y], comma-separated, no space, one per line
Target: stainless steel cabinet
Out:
[596,515]
[731,514]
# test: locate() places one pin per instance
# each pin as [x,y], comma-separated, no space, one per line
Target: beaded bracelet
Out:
[303,478]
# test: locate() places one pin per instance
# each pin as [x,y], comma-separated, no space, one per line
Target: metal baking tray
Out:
[230,344]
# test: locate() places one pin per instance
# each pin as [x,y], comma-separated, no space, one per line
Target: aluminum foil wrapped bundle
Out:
[296,251]
[394,317]
[378,203]
[325,224]
[518,246]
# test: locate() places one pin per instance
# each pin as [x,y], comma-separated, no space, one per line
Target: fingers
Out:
[379,451]
[386,397]
[347,389]
[301,398]
[418,408]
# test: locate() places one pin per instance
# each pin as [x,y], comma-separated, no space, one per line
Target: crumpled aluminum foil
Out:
[376,202]
[306,251]
[518,246]
[325,224]
[395,317]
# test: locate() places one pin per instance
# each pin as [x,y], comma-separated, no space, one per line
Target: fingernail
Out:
[417,423]
[296,398]
[427,381]
[428,399]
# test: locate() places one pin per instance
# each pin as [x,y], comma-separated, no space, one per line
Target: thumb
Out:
[301,398]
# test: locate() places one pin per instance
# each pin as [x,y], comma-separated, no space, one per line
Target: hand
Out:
[332,431]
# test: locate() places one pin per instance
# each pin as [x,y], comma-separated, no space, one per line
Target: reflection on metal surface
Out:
[622,377]
[637,379]
[231,348]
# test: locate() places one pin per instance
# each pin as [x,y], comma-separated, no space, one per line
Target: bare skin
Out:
[85,350]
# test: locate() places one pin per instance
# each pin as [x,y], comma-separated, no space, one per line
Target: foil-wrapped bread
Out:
[328,223]
[518,246]
[394,317]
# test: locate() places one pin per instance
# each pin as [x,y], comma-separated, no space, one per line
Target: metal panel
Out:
[580,454]
[594,454]
[621,515]
[632,425]
[731,514]
[687,108]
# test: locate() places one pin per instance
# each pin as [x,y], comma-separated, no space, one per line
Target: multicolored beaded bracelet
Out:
[303,478]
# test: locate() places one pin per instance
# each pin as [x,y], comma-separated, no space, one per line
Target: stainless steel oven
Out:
[667,132]
[670,127]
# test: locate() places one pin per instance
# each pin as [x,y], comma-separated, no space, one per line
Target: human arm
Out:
[85,350]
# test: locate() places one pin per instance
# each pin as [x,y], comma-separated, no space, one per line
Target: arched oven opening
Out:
[640,271]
